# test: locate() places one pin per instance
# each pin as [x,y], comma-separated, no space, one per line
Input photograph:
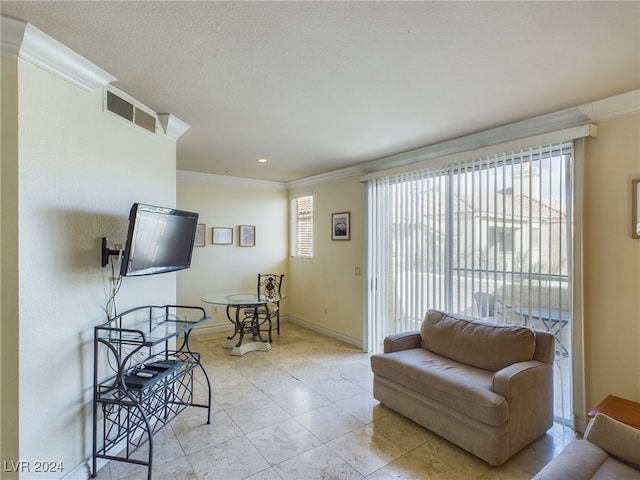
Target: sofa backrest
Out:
[545,347]
[488,345]
[615,438]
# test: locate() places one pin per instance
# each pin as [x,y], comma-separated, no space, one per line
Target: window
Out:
[504,240]
[302,226]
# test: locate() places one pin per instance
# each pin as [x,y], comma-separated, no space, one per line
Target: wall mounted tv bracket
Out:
[107,252]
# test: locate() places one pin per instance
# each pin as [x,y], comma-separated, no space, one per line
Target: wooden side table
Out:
[621,409]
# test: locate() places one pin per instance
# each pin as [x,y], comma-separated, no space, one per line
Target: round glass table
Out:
[246,319]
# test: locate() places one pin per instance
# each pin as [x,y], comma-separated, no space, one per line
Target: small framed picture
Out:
[222,236]
[247,236]
[635,208]
[341,226]
[199,240]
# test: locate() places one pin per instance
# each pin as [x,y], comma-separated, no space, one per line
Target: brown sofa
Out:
[608,450]
[486,387]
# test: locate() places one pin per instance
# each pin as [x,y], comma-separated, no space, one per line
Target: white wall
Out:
[611,263]
[80,169]
[323,293]
[230,202]
[326,292]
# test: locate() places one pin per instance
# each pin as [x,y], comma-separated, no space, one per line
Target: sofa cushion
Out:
[612,469]
[487,345]
[461,387]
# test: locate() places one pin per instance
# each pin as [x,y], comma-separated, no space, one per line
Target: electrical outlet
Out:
[357,269]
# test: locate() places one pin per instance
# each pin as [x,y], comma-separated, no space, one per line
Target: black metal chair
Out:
[268,285]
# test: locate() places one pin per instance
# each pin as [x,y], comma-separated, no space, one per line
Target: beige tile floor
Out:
[305,411]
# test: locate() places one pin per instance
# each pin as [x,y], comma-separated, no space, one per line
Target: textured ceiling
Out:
[317,86]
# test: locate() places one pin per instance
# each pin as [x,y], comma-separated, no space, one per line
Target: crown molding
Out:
[333,176]
[172,125]
[214,179]
[38,48]
[12,32]
[612,107]
[589,113]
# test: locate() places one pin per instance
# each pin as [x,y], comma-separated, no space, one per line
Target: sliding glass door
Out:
[489,238]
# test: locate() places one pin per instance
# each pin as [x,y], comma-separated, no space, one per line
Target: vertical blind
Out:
[478,238]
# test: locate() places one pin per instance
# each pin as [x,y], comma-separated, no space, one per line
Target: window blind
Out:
[302,226]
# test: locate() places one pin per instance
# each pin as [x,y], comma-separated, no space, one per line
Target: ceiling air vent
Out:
[144,120]
[130,112]
[119,106]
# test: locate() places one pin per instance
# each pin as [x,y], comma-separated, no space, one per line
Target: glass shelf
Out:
[150,325]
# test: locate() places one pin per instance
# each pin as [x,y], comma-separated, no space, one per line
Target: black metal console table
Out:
[143,378]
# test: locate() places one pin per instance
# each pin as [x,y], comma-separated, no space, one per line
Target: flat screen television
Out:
[159,240]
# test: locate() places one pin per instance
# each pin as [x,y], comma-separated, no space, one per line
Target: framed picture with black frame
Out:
[341,226]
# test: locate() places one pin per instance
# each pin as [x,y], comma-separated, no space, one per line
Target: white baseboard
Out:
[209,327]
[81,471]
[356,342]
[227,327]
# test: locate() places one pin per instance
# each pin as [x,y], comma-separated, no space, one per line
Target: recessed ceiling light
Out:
[262,160]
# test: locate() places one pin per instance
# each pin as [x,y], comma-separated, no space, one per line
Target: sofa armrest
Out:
[513,380]
[615,438]
[528,390]
[401,341]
